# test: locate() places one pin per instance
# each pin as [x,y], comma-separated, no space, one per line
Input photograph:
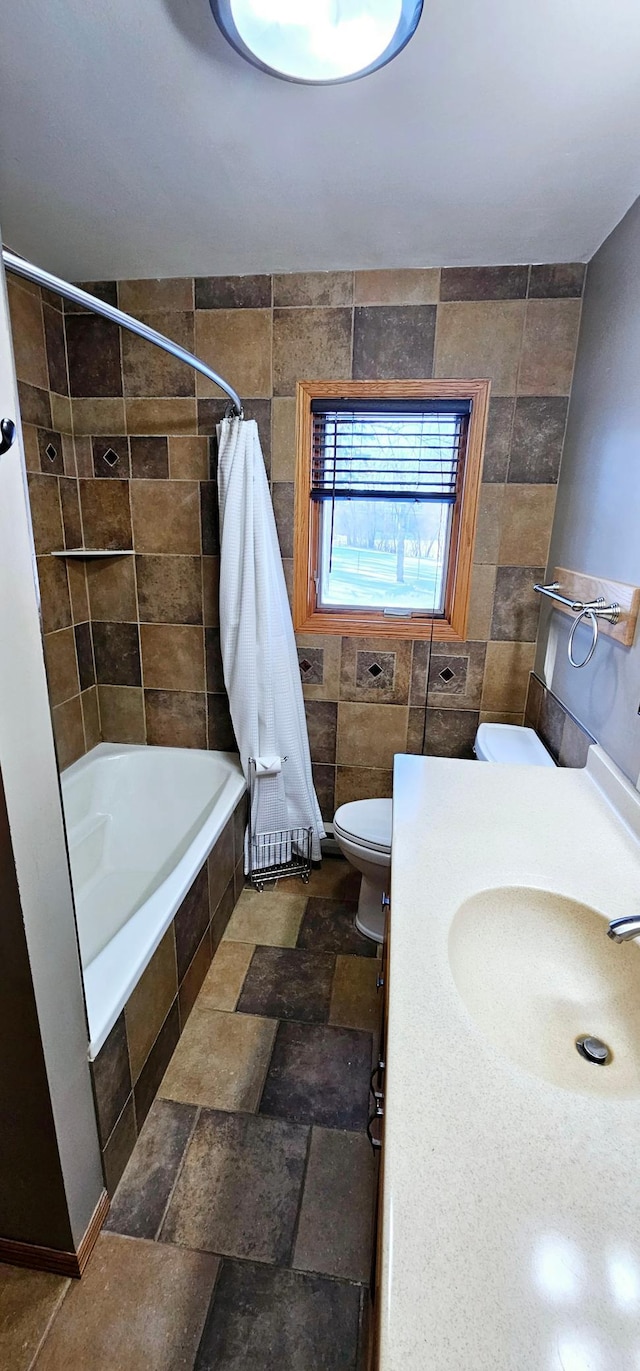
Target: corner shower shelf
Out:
[89,553]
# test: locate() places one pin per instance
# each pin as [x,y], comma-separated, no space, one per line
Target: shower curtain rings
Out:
[586,614]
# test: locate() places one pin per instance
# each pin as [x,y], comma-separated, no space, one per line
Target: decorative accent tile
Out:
[375,670]
[463,689]
[330,645]
[106,458]
[51,457]
[448,674]
[311,661]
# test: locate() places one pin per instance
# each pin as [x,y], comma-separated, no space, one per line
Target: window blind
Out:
[396,450]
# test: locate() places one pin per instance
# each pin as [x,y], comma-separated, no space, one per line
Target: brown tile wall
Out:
[140,472]
[566,739]
[130,1066]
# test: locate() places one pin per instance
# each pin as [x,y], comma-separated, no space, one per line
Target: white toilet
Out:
[363,828]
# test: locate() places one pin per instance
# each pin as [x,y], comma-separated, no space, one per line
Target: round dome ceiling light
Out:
[318,41]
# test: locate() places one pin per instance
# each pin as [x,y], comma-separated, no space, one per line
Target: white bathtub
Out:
[140,823]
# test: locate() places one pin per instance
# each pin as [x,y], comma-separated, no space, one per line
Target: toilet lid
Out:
[366,821]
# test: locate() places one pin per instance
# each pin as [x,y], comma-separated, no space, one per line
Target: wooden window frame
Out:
[370,623]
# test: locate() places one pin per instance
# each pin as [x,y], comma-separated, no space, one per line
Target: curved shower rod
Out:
[20,267]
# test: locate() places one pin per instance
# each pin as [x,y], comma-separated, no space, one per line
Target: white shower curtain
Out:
[259,657]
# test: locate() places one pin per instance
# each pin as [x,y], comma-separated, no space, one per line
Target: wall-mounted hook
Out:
[7,435]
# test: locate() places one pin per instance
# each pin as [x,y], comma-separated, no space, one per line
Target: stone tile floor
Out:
[240,1235]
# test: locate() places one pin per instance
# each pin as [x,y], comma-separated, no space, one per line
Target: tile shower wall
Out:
[43,385]
[142,428]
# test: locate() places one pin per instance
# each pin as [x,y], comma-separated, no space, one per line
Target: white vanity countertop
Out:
[511,1206]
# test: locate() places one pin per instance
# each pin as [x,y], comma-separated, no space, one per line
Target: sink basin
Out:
[536,971]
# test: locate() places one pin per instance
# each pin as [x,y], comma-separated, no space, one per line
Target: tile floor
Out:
[240,1235]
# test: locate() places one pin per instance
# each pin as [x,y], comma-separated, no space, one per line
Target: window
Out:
[387,484]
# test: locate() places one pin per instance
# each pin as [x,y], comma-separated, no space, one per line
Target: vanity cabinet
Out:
[376,1137]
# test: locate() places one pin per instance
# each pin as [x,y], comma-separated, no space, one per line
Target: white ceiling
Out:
[135,142]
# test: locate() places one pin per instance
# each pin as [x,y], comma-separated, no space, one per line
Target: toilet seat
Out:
[366,823]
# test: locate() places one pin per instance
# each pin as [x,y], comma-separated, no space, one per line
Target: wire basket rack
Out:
[281,852]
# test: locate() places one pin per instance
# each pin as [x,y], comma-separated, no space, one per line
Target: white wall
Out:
[597,521]
[29,772]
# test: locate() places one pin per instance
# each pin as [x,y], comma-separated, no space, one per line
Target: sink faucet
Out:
[621,930]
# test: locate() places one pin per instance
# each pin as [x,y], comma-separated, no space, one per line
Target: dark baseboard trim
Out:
[50,1258]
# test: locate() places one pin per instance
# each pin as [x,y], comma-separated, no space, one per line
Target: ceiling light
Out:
[318,41]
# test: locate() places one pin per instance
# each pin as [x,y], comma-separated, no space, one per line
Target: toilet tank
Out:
[511,743]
